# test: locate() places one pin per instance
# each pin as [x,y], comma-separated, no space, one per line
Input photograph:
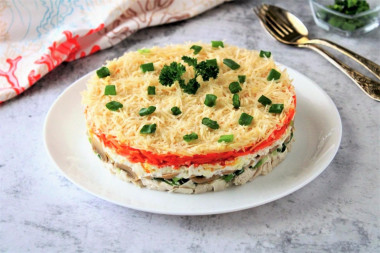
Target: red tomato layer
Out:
[162,160]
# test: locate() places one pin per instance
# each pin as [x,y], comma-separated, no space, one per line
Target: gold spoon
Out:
[288,29]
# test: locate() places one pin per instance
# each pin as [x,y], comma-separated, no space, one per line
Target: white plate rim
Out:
[321,166]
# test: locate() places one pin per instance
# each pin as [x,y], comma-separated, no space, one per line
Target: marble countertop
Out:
[41,211]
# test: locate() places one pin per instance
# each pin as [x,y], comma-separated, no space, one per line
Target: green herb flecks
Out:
[103,72]
[265,54]
[190,137]
[226,138]
[196,48]
[191,87]
[207,69]
[210,123]
[273,75]
[151,90]
[210,100]
[143,51]
[234,87]
[148,129]
[231,64]
[241,78]
[276,108]
[146,67]
[236,101]
[217,43]
[147,111]
[114,105]
[110,90]
[176,111]
[245,119]
[172,73]
[264,100]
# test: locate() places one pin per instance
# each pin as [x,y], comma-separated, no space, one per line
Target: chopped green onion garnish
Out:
[210,123]
[151,90]
[148,129]
[241,79]
[190,137]
[276,108]
[196,48]
[217,43]
[210,100]
[147,67]
[234,87]
[264,100]
[265,54]
[228,177]
[273,75]
[103,72]
[110,90]
[239,172]
[114,105]
[212,62]
[231,64]
[147,111]
[236,101]
[226,138]
[175,110]
[245,119]
[259,163]
[144,50]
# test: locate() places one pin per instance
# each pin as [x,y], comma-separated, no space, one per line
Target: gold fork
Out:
[288,29]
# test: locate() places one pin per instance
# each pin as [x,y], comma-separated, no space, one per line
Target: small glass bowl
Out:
[347,25]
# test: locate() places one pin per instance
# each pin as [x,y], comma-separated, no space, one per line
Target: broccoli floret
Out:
[172,73]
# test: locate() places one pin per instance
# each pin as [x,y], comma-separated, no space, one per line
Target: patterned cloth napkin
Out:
[36,36]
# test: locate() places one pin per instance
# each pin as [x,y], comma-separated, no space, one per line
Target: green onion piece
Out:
[259,163]
[265,54]
[110,90]
[241,79]
[228,177]
[147,111]
[175,110]
[236,101]
[245,119]
[147,67]
[273,75]
[217,43]
[226,138]
[103,72]
[231,64]
[190,137]
[212,62]
[276,108]
[151,90]
[144,50]
[210,123]
[210,100]
[196,48]
[264,100]
[234,87]
[148,129]
[114,105]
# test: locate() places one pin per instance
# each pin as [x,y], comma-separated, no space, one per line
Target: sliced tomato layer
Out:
[162,160]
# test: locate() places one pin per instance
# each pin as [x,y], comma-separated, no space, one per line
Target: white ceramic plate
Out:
[317,138]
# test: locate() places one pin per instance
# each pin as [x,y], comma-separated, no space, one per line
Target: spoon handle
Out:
[368,64]
[367,85]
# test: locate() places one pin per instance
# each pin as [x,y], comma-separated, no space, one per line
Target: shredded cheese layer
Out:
[131,86]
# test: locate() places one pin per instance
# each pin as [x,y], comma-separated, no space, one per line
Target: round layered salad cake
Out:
[190,118]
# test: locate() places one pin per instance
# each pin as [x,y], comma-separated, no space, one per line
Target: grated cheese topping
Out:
[131,86]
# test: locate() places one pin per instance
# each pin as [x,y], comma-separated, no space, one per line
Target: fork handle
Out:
[368,64]
[370,87]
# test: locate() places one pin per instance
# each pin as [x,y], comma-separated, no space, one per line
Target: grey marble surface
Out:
[41,211]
